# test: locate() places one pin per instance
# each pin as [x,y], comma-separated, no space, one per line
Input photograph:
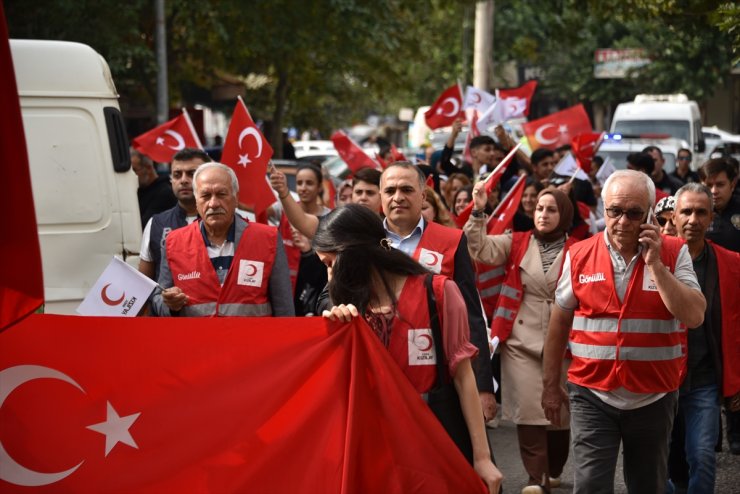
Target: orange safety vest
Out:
[636,344]
[245,288]
[512,291]
[437,247]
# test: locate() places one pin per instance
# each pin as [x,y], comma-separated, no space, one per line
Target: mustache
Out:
[214,211]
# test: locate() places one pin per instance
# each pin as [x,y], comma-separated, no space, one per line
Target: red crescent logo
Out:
[109,301]
[476,98]
[254,270]
[434,257]
[429,345]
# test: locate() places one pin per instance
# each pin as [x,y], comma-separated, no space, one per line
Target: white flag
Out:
[478,99]
[605,170]
[568,167]
[120,291]
[513,107]
[502,110]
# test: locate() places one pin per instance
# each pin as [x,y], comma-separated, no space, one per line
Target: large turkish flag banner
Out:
[557,128]
[255,405]
[21,283]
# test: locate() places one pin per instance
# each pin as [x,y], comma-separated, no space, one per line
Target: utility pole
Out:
[483,51]
[160,42]
[467,29]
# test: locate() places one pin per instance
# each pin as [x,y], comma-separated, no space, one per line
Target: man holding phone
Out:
[619,304]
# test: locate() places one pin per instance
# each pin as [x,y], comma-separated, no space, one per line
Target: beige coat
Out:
[521,354]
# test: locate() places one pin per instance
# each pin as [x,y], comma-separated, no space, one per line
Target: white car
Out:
[714,135]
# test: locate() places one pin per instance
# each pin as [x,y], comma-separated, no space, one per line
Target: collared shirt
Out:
[622,398]
[220,256]
[410,242]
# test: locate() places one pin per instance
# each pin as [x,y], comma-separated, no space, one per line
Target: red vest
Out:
[292,252]
[488,281]
[245,288]
[437,247]
[411,343]
[728,269]
[637,344]
[512,290]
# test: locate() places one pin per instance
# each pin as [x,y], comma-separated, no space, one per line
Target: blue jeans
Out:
[700,408]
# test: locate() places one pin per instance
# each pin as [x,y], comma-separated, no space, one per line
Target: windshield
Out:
[675,128]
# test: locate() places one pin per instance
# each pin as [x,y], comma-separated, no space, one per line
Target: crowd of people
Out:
[607,312]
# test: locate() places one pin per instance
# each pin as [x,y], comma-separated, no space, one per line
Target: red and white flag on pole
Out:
[472,132]
[490,182]
[121,290]
[477,98]
[162,142]
[447,108]
[351,153]
[21,281]
[558,128]
[585,146]
[525,92]
[503,217]
[568,167]
[247,152]
[211,405]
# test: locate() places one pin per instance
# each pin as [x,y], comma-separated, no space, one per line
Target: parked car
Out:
[714,135]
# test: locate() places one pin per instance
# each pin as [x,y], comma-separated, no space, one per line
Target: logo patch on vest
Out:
[431,260]
[250,273]
[648,284]
[591,278]
[421,347]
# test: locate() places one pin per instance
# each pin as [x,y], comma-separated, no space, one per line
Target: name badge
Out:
[648,284]
[421,347]
[250,273]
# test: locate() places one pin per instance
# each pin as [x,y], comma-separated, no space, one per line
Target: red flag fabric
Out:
[503,217]
[351,153]
[585,146]
[525,91]
[558,128]
[473,131]
[397,154]
[491,182]
[232,405]
[247,152]
[446,109]
[161,143]
[21,282]
[379,159]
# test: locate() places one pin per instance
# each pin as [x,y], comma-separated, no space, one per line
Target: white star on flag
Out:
[160,141]
[244,160]
[116,429]
[563,129]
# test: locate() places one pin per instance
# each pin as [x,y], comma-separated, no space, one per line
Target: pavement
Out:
[506,450]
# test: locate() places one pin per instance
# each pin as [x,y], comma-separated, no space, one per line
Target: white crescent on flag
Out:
[541,138]
[455,107]
[253,132]
[178,137]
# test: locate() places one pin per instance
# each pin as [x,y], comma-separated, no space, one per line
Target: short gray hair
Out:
[634,175]
[696,188]
[407,165]
[220,166]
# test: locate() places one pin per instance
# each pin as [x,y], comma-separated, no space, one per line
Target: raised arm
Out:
[301,221]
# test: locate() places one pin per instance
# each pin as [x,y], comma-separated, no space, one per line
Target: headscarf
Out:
[565,208]
[665,204]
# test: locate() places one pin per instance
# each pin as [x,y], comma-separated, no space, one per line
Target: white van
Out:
[671,115]
[84,192]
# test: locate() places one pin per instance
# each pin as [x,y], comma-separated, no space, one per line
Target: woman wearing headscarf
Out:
[533,261]
[396,296]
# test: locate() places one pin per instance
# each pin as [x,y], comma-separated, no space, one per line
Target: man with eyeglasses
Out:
[183,166]
[713,369]
[619,306]
[683,171]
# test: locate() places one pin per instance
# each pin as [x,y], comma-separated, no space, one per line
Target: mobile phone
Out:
[649,220]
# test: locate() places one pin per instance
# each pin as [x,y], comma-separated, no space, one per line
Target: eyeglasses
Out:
[662,221]
[683,158]
[632,214]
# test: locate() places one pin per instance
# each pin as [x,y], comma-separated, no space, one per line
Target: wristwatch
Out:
[476,213]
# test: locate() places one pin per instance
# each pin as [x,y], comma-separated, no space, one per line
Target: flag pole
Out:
[192,127]
[504,162]
[496,211]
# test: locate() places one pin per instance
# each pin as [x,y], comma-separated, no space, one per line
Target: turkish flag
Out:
[558,128]
[525,91]
[585,146]
[163,142]
[21,282]
[214,405]
[397,154]
[503,216]
[447,108]
[247,152]
[490,182]
[351,153]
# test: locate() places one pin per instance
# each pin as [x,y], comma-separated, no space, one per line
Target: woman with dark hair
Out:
[461,199]
[524,216]
[434,210]
[533,261]
[391,291]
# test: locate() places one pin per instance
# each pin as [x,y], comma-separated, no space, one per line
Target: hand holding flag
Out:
[503,216]
[121,290]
